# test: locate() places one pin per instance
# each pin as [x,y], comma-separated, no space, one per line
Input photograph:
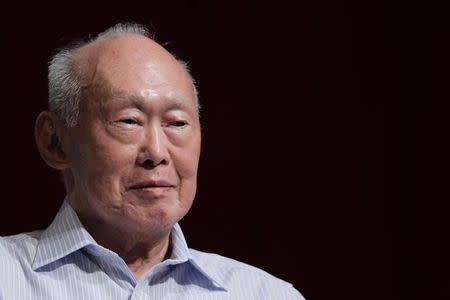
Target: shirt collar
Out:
[181,252]
[66,234]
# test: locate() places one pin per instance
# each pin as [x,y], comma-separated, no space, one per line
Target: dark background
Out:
[320,146]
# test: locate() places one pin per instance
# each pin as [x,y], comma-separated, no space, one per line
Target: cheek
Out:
[107,163]
[186,164]
[102,169]
[186,160]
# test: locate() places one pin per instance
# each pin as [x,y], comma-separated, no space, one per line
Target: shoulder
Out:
[233,273]
[16,257]
[18,249]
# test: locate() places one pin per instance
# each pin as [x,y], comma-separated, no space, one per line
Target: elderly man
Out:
[123,129]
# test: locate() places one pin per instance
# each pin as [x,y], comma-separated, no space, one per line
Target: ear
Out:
[47,132]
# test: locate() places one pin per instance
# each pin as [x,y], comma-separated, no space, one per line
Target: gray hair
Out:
[65,83]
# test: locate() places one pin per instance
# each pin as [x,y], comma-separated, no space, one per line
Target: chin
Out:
[159,218]
[155,213]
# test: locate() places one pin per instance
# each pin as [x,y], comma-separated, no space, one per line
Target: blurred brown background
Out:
[319,157]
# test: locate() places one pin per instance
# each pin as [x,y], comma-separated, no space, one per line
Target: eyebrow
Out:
[177,101]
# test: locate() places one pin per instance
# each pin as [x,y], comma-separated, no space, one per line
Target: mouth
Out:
[151,185]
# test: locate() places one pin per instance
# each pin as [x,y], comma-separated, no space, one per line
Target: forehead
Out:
[170,100]
[133,67]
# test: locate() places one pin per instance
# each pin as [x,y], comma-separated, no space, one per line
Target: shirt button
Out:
[139,296]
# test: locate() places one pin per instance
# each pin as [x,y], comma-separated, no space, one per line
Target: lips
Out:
[149,184]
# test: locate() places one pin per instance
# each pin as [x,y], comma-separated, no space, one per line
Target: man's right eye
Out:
[128,121]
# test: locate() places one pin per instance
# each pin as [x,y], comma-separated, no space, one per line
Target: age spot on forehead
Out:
[151,73]
[149,93]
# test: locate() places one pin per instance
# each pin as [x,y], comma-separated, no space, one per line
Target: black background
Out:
[324,157]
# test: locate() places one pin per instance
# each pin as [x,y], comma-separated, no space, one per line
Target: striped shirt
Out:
[65,262]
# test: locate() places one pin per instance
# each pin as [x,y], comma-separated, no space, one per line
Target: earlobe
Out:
[47,133]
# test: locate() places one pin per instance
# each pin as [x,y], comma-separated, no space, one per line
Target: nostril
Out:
[150,163]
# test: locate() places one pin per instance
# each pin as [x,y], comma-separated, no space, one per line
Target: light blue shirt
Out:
[65,262]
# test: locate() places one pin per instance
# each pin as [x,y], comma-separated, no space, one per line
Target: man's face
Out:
[135,151]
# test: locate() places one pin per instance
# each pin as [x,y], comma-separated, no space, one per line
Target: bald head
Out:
[130,61]
[116,54]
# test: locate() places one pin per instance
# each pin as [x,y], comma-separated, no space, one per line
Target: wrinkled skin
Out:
[132,159]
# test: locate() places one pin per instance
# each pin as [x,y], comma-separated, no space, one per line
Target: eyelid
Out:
[178,123]
[128,120]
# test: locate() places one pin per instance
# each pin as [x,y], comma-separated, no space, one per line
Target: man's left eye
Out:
[178,123]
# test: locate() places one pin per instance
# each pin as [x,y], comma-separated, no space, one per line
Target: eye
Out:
[180,123]
[128,121]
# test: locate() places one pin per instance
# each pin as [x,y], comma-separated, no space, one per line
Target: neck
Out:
[142,256]
[140,250]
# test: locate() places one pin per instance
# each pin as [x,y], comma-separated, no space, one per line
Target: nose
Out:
[153,151]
